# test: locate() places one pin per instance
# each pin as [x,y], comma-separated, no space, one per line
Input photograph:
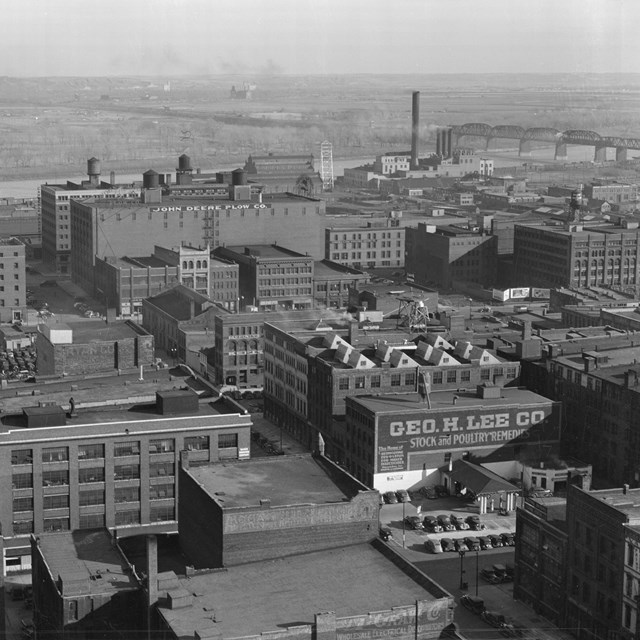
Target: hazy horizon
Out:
[70,38]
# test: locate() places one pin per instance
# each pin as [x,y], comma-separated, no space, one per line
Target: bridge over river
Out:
[546,134]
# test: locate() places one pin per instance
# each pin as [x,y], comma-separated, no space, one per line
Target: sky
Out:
[175,37]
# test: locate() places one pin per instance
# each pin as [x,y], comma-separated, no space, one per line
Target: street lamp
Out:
[477,561]
[462,585]
[403,525]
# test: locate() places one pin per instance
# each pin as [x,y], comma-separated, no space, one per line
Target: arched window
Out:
[184,264]
[190,264]
[204,264]
[198,265]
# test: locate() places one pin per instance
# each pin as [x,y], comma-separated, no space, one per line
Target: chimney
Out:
[415,128]
[112,178]
[354,332]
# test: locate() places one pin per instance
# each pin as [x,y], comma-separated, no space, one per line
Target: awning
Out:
[478,479]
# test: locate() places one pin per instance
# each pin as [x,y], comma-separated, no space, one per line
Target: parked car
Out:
[386,534]
[540,493]
[474,522]
[496,540]
[441,491]
[510,570]
[485,542]
[489,575]
[430,523]
[508,539]
[460,545]
[501,572]
[414,522]
[433,546]
[493,618]
[475,604]
[458,522]
[447,544]
[472,543]
[390,497]
[445,522]
[403,495]
[509,630]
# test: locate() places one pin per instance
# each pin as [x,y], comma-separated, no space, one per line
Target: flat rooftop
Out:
[290,591]
[627,503]
[79,557]
[98,331]
[284,480]
[443,400]
[266,251]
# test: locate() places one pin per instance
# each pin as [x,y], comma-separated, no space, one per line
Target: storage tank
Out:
[238,177]
[150,179]
[184,163]
[93,167]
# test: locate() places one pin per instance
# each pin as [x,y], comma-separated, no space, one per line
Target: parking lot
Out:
[470,573]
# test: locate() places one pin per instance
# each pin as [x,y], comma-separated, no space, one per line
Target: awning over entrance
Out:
[477,479]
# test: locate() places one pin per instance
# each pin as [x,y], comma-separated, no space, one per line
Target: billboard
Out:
[460,430]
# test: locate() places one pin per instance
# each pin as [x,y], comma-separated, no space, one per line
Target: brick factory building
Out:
[332,283]
[102,227]
[577,255]
[541,556]
[107,457]
[283,506]
[303,597]
[376,245]
[13,284]
[599,602]
[55,204]
[80,581]
[271,277]
[598,382]
[90,347]
[401,441]
[449,255]
[311,368]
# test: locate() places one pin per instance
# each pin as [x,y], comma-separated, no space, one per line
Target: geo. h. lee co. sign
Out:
[429,431]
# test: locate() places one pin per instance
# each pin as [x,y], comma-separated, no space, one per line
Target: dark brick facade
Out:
[214,535]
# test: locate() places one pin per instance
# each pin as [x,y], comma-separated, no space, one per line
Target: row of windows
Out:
[160,513]
[96,497]
[97,451]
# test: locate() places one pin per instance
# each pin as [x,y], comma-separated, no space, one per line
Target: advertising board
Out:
[461,429]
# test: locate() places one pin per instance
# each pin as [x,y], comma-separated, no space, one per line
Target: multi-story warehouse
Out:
[13,290]
[612,192]
[599,602]
[55,204]
[600,389]
[110,461]
[332,282]
[281,173]
[577,255]
[123,283]
[376,245]
[631,592]
[541,556]
[449,255]
[310,370]
[392,162]
[119,228]
[238,356]
[271,277]
[398,441]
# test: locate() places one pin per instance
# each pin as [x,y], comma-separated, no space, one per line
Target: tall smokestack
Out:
[415,128]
